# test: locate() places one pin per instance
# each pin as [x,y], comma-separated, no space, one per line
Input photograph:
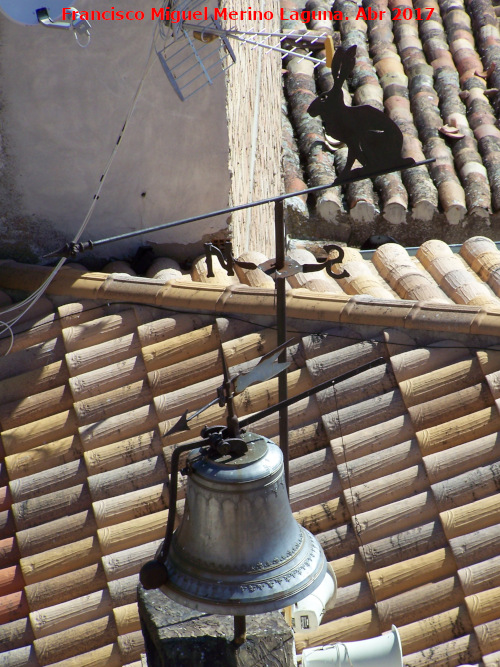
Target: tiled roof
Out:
[430,73]
[396,471]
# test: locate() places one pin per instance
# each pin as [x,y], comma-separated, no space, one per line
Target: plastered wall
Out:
[62,108]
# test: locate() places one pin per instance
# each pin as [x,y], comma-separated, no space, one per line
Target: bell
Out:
[238,549]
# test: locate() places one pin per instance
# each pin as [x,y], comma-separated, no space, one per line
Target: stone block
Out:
[176,636]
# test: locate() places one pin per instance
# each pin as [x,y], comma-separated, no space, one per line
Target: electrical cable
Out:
[29,302]
[304,332]
[355,522]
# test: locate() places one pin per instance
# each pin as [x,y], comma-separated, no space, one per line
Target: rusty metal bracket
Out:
[290,268]
[225,258]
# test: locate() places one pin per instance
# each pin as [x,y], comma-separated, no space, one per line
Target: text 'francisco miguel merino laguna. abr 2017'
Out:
[175,16]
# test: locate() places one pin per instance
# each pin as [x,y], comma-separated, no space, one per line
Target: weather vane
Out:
[371,136]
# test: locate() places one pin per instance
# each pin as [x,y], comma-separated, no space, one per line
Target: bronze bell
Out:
[238,549]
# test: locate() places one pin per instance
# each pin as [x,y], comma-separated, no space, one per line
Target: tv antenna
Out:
[193,55]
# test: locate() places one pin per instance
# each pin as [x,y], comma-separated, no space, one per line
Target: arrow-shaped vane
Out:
[267,368]
[182,425]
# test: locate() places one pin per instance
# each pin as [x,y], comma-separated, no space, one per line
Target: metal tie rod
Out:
[246,421]
[73,249]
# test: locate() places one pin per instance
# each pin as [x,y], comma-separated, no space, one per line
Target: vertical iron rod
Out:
[240,630]
[282,335]
[233,426]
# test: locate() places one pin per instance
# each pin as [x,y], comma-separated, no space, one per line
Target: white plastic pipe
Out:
[308,613]
[383,651]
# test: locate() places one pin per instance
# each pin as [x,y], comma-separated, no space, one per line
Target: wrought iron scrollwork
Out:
[227,261]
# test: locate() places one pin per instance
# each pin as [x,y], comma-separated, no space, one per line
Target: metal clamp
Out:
[225,258]
[79,25]
[70,249]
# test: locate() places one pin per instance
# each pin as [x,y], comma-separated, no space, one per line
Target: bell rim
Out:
[244,608]
[314,561]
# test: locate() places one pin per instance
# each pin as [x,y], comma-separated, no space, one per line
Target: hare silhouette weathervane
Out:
[371,137]
[377,148]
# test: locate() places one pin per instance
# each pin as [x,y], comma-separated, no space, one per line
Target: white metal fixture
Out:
[48,14]
[308,613]
[383,651]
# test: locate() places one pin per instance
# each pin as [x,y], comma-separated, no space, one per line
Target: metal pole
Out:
[73,249]
[240,630]
[282,335]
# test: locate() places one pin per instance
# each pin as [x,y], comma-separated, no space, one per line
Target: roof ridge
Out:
[238,299]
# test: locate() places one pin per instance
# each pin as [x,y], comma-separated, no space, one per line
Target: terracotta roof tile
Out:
[428,71]
[395,471]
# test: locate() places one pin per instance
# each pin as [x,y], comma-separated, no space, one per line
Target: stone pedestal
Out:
[176,636]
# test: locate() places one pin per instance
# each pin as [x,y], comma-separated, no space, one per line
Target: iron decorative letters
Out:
[227,261]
